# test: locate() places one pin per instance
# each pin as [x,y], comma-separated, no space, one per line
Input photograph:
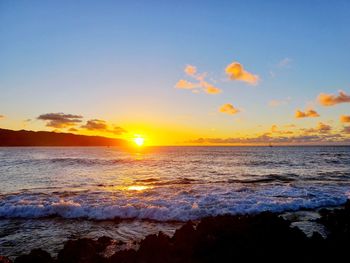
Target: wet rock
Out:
[337,222]
[35,256]
[5,260]
[83,250]
[124,256]
[155,248]
[103,242]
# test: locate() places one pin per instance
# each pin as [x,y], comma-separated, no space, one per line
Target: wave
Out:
[177,206]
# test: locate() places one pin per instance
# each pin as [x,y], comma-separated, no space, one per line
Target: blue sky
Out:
[120,60]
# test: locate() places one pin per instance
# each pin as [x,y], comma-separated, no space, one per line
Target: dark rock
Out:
[5,260]
[103,242]
[124,256]
[35,256]
[83,250]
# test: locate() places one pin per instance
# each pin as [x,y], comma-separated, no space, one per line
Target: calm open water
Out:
[48,195]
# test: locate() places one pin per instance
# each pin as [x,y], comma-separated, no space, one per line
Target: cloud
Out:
[95,125]
[285,62]
[235,71]
[309,113]
[60,120]
[321,128]
[276,103]
[2,117]
[184,84]
[101,125]
[276,130]
[265,139]
[117,130]
[345,118]
[199,84]
[190,70]
[228,109]
[330,99]
[210,89]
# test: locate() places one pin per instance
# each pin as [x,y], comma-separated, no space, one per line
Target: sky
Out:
[178,72]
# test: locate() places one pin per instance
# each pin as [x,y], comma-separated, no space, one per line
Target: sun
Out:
[139,141]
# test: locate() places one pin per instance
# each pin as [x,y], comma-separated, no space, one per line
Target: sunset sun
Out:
[139,141]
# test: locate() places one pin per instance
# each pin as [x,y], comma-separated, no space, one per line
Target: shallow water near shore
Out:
[48,195]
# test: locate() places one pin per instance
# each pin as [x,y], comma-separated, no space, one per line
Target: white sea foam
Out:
[166,206]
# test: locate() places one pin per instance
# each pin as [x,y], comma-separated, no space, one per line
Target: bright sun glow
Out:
[138,187]
[139,141]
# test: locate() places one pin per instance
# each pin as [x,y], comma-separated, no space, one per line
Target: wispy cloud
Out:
[228,109]
[307,114]
[277,103]
[199,84]
[60,120]
[330,99]
[345,118]
[236,71]
[285,62]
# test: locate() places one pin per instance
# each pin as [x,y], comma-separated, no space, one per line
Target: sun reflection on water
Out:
[138,187]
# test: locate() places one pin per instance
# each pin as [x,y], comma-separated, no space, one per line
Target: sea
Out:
[49,195]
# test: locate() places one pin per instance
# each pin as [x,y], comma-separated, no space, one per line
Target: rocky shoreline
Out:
[263,237]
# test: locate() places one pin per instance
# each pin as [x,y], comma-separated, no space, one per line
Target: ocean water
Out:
[48,195]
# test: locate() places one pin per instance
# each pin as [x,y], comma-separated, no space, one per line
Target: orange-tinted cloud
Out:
[321,128]
[184,84]
[190,70]
[60,120]
[346,129]
[235,71]
[199,84]
[228,109]
[101,125]
[306,114]
[210,89]
[275,129]
[330,99]
[345,118]
[264,139]
[117,130]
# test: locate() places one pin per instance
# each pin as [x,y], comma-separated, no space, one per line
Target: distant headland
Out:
[43,138]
